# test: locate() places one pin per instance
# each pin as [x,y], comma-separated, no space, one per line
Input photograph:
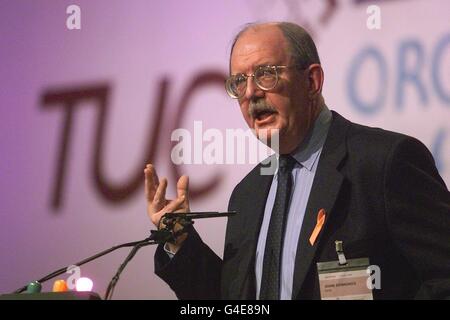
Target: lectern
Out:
[68,295]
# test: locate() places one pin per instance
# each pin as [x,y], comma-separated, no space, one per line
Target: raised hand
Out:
[158,204]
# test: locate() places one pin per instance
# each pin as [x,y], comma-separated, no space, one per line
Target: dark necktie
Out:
[270,280]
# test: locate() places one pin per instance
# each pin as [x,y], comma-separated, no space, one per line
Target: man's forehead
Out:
[259,46]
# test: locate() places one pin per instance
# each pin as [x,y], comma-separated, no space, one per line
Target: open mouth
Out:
[264,116]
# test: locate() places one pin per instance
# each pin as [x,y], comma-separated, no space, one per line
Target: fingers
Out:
[172,206]
[159,200]
[151,181]
[157,204]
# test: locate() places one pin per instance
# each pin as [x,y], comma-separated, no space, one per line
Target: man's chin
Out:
[270,136]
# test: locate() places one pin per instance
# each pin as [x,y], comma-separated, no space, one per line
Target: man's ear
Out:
[315,80]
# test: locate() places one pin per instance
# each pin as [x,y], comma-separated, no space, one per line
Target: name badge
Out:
[349,281]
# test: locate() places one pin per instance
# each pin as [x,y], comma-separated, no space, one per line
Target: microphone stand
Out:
[158,237]
[115,279]
[164,235]
[58,272]
[161,236]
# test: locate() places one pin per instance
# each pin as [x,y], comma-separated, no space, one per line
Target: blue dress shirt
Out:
[307,155]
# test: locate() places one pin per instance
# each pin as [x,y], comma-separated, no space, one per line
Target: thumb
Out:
[183,188]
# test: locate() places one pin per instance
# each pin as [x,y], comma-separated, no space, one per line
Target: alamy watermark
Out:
[75,274]
[234,146]
[374,279]
[373,21]
[73,21]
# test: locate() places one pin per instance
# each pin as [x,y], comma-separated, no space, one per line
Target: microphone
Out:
[161,236]
[146,241]
[164,235]
[188,216]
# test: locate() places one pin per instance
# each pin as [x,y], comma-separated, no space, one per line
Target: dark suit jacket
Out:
[384,199]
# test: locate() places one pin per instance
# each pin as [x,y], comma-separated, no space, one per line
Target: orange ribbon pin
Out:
[320,221]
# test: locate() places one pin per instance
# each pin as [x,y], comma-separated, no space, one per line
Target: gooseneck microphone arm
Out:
[115,279]
[161,236]
[82,262]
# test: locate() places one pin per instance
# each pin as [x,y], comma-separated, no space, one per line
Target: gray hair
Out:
[301,46]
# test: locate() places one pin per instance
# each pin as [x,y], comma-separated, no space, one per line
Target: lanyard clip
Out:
[340,252]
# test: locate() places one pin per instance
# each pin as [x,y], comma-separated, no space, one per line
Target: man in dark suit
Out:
[377,191]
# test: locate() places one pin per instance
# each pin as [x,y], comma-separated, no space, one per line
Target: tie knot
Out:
[286,163]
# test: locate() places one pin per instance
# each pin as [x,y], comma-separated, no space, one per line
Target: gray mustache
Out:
[259,106]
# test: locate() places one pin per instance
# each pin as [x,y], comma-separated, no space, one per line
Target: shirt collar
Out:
[308,151]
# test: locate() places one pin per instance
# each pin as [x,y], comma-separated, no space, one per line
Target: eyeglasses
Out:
[265,77]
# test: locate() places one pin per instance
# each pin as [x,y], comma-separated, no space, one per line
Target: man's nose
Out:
[252,89]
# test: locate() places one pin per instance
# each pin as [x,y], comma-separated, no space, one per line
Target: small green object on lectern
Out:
[34,287]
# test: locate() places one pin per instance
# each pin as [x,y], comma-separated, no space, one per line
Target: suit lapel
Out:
[324,192]
[253,207]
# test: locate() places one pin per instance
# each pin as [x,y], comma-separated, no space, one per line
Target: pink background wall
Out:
[398,75]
